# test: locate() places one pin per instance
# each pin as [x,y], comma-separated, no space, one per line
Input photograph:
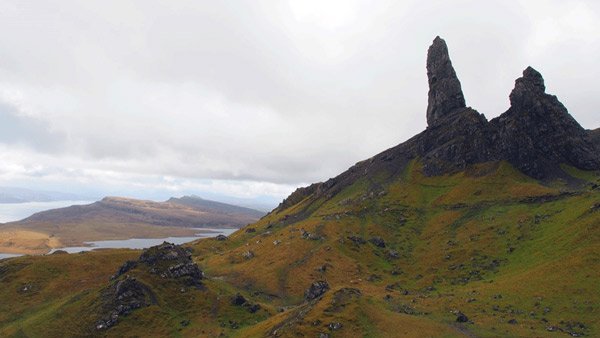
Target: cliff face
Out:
[536,134]
[445,93]
[595,136]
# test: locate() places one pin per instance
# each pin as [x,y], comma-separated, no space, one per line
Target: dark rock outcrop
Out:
[461,317]
[121,298]
[445,93]
[238,300]
[316,290]
[124,268]
[537,133]
[595,136]
[377,241]
[172,261]
[125,293]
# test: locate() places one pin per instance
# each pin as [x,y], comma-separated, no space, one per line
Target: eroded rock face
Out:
[316,290]
[172,261]
[595,136]
[537,133]
[123,297]
[126,294]
[445,93]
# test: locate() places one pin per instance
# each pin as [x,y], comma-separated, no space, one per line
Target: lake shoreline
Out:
[115,243]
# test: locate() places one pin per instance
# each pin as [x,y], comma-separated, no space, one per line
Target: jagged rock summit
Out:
[445,93]
[536,134]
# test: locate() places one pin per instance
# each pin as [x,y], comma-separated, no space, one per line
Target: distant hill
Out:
[201,204]
[122,218]
[22,195]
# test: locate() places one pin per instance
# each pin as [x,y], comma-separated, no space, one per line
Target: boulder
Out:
[238,300]
[377,241]
[461,317]
[316,290]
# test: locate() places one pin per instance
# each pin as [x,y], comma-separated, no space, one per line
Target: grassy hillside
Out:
[402,255]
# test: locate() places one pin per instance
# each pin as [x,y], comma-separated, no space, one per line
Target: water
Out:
[7,255]
[143,243]
[11,212]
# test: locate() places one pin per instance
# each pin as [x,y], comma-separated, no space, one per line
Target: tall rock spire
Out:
[445,93]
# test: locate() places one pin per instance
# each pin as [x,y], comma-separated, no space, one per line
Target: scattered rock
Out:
[335,326]
[248,254]
[393,254]
[250,230]
[26,288]
[357,240]
[377,241]
[253,308]
[124,268]
[323,268]
[238,300]
[512,321]
[121,298]
[221,237]
[341,298]
[374,278]
[316,290]
[461,317]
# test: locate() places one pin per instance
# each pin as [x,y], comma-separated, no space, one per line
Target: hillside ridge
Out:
[536,134]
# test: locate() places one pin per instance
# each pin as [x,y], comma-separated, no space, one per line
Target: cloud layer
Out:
[256,97]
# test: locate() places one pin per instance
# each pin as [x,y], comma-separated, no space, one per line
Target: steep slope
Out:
[595,136]
[121,218]
[445,235]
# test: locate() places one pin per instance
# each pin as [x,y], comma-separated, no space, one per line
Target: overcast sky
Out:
[254,98]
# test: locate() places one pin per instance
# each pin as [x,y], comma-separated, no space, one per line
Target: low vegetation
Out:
[485,252]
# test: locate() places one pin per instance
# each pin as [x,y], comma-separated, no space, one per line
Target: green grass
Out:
[472,236]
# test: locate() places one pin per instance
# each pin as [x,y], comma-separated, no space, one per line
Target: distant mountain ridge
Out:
[187,211]
[199,203]
[121,218]
[23,195]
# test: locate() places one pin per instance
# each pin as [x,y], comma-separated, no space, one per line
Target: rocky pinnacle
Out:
[527,88]
[445,93]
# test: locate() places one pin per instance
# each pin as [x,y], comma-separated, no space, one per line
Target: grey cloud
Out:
[277,91]
[20,129]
